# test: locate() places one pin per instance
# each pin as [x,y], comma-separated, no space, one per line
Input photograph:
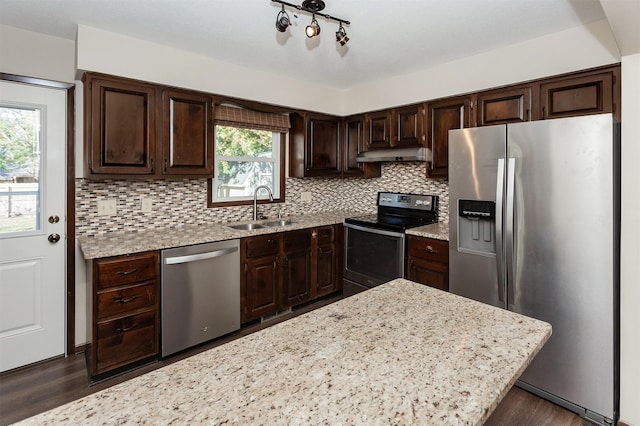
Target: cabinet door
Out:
[261,287]
[578,95]
[408,126]
[187,143]
[296,274]
[120,122]
[353,144]
[378,130]
[429,273]
[328,260]
[503,106]
[442,116]
[323,147]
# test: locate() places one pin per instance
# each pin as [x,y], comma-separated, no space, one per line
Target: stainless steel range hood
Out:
[393,154]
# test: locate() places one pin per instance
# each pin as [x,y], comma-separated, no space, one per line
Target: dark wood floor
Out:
[31,390]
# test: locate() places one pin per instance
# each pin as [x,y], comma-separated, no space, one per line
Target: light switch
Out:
[147,204]
[305,197]
[106,207]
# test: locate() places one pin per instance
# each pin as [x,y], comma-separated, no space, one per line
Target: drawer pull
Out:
[430,249]
[122,300]
[125,329]
[132,271]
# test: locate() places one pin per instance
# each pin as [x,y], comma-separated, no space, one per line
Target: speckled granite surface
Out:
[439,231]
[401,353]
[118,243]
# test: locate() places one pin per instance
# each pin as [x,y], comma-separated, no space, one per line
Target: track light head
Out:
[282,20]
[313,29]
[341,35]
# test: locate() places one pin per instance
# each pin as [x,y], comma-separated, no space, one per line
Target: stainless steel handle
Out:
[509,228]
[499,240]
[199,256]
[53,238]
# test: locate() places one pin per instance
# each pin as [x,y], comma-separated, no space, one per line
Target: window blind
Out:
[246,118]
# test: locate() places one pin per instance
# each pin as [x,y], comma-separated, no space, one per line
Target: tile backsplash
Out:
[184,201]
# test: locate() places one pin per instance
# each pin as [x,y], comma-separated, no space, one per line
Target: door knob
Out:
[53,238]
[54,219]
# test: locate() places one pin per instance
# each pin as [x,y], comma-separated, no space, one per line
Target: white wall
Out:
[116,54]
[574,49]
[630,243]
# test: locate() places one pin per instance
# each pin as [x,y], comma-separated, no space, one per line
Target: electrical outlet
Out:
[147,204]
[106,207]
[305,197]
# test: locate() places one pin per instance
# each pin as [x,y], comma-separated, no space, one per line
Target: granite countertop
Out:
[401,353]
[439,231]
[118,243]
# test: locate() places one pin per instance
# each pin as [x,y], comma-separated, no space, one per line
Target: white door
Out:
[32,218]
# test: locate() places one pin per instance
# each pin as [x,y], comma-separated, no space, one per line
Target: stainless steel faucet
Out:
[255,199]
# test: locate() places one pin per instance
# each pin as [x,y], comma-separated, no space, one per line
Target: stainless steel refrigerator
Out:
[534,228]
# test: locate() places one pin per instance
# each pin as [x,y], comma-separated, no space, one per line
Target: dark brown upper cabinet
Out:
[139,130]
[327,146]
[501,106]
[444,115]
[187,133]
[314,145]
[354,145]
[378,130]
[590,92]
[408,126]
[120,126]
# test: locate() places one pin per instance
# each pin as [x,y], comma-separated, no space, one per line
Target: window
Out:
[248,152]
[244,160]
[20,195]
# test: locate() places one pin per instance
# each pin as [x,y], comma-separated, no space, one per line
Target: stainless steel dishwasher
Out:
[200,294]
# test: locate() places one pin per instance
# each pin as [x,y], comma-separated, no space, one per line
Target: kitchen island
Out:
[401,353]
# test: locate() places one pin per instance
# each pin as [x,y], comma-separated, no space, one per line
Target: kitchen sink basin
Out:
[282,222]
[247,226]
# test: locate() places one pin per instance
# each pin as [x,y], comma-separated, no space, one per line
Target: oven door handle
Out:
[374,230]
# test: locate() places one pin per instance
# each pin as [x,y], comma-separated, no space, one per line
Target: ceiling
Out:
[387,38]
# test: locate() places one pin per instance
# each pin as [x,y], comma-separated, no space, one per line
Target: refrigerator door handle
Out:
[499,240]
[509,229]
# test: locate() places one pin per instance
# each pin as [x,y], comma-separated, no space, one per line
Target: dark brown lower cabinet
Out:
[125,321]
[428,262]
[286,269]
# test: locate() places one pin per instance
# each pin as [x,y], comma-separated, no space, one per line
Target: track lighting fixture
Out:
[313,29]
[282,20]
[341,35]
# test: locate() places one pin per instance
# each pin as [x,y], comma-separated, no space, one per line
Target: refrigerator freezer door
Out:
[565,253]
[474,155]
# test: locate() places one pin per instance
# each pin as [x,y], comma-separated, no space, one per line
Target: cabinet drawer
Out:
[326,235]
[262,245]
[126,300]
[121,270]
[427,248]
[126,340]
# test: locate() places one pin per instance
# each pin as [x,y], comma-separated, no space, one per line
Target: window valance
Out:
[246,118]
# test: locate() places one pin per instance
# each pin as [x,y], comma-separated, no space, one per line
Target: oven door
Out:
[372,256]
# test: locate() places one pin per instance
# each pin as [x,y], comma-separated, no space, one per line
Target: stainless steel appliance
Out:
[200,298]
[375,244]
[534,211]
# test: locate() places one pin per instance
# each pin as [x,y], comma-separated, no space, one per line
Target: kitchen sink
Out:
[247,226]
[282,222]
[252,225]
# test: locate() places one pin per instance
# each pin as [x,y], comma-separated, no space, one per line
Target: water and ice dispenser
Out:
[476,227]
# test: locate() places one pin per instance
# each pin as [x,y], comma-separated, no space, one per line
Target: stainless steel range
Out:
[375,244]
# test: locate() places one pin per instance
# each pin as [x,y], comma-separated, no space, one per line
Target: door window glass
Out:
[20,148]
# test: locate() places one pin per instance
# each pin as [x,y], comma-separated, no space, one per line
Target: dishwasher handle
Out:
[200,256]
